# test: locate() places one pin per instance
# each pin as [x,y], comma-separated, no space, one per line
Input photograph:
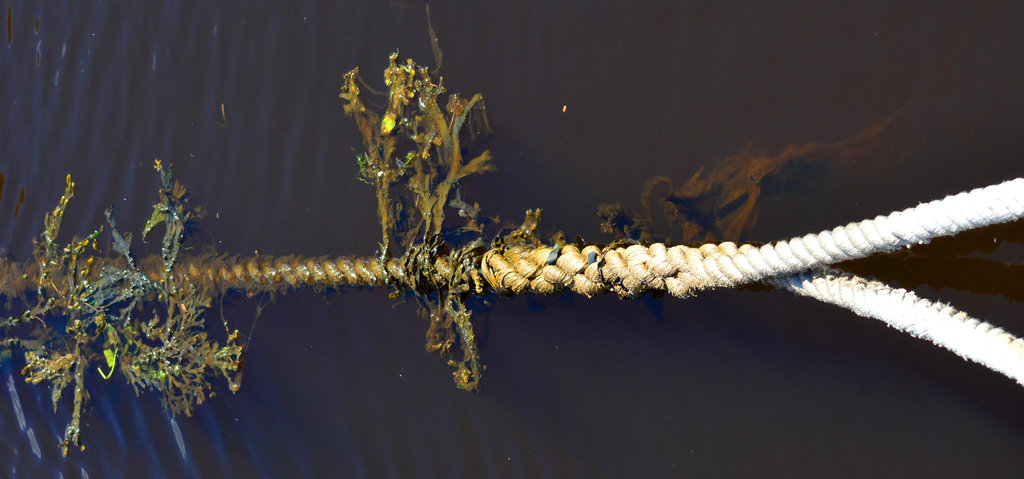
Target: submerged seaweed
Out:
[88,310]
[88,313]
[414,160]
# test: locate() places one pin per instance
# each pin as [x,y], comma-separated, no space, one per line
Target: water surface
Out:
[733,383]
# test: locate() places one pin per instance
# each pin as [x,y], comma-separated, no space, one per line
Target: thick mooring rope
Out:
[939,323]
[628,270]
[631,270]
[682,270]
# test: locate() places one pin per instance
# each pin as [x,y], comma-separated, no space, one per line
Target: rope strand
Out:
[942,324]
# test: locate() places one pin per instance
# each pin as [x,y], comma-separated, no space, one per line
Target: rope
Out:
[515,265]
[682,270]
[255,272]
[628,270]
[215,274]
[939,323]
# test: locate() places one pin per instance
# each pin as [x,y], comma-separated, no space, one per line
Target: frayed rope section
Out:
[795,264]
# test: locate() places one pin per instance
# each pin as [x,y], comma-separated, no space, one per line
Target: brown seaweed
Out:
[85,318]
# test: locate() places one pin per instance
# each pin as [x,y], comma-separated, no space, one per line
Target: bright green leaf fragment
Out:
[111,361]
[386,125]
[158,217]
[111,357]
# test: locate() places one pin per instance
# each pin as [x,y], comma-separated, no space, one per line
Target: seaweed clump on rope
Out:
[87,314]
[414,160]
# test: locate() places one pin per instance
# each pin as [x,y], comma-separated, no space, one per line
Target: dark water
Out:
[733,383]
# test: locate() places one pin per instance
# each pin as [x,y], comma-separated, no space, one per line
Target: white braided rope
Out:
[939,323]
[730,266]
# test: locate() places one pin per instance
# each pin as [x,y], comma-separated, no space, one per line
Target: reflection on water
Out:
[731,383]
[20,414]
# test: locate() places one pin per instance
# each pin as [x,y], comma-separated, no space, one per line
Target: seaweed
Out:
[97,302]
[721,203]
[432,164]
[414,160]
